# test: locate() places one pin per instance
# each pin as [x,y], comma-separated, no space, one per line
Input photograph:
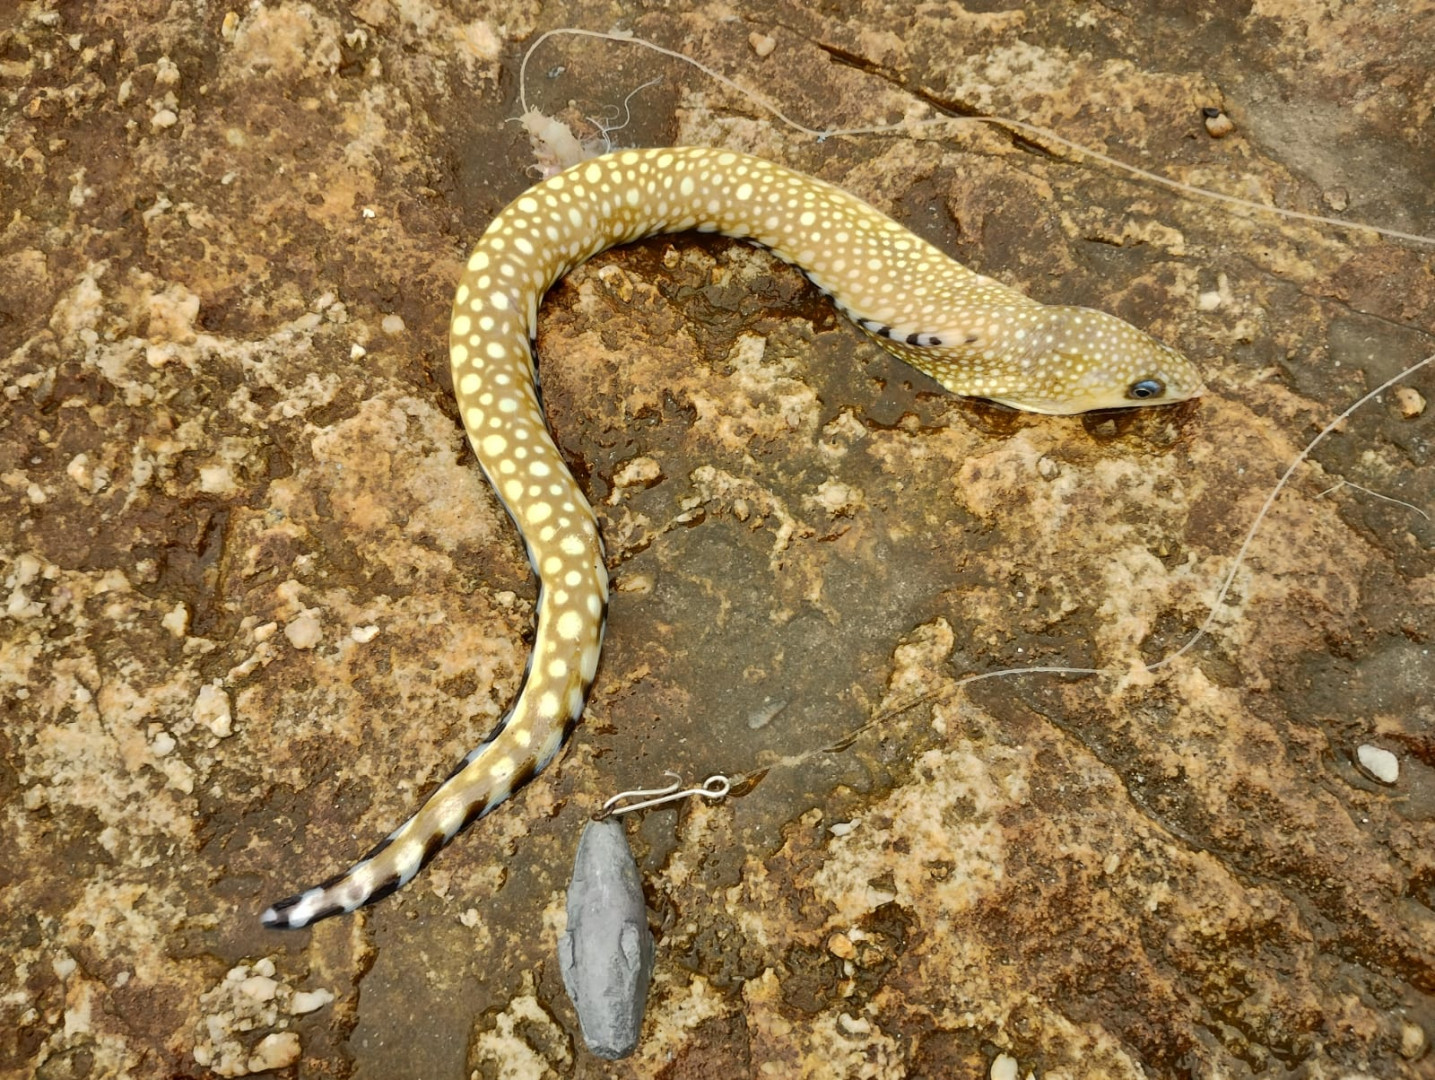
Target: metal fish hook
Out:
[714,788]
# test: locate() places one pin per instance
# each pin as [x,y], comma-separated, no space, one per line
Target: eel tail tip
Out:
[294,912]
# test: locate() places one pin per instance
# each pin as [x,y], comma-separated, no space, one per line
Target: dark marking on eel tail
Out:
[389,886]
[374,853]
[476,809]
[432,846]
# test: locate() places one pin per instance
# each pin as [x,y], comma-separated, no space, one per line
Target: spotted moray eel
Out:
[973,335]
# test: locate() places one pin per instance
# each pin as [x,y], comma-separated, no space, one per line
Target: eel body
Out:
[972,334]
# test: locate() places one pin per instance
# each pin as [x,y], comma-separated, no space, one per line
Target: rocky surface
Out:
[255,598]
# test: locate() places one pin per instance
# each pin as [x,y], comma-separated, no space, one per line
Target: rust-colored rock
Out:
[255,597]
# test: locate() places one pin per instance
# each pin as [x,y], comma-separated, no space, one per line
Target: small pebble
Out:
[617,282]
[217,480]
[1413,1042]
[1003,1068]
[1409,401]
[259,987]
[28,569]
[212,709]
[840,946]
[636,472]
[276,1051]
[80,472]
[166,72]
[854,1025]
[307,1001]
[392,324]
[1218,124]
[364,634]
[176,621]
[1378,762]
[304,632]
[761,43]
[1336,198]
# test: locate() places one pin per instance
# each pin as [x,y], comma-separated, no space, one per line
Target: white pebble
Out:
[1413,1042]
[304,632]
[276,1051]
[364,634]
[79,471]
[217,480]
[854,1025]
[307,1001]
[177,621]
[1379,763]
[259,988]
[1003,1068]
[212,709]
[166,72]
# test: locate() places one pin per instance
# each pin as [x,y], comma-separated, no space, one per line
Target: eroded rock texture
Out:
[256,597]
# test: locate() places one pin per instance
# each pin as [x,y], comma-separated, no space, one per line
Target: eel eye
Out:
[1146,389]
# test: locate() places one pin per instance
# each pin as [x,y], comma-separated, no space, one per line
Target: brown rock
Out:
[225,392]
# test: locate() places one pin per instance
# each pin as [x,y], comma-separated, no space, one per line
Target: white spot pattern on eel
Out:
[972,334]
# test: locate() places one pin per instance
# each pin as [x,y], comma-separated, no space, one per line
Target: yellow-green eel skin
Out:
[973,335]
